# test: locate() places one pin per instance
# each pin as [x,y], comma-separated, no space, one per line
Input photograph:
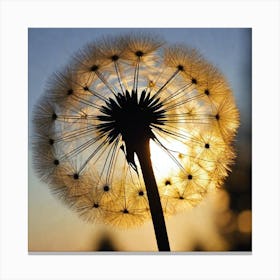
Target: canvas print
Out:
[139,140]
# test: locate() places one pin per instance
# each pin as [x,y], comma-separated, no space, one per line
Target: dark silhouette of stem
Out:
[144,156]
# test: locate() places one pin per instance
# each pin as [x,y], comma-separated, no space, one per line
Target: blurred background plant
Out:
[221,222]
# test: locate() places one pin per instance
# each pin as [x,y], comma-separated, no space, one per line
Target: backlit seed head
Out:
[117,91]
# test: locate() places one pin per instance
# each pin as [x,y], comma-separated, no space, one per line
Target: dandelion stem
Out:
[144,156]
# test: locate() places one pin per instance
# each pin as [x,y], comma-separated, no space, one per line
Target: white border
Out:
[17,16]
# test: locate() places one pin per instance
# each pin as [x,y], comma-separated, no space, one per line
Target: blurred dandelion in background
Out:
[134,129]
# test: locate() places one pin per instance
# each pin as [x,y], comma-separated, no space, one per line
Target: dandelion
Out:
[133,129]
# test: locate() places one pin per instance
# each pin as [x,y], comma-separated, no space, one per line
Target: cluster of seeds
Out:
[133,83]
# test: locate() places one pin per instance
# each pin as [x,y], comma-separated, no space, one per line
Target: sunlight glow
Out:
[163,164]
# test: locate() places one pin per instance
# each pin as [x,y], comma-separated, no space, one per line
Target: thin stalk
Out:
[144,156]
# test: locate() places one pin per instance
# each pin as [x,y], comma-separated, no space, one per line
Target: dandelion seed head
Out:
[118,91]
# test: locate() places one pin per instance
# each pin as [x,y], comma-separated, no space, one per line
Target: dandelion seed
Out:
[141,193]
[133,129]
[167,183]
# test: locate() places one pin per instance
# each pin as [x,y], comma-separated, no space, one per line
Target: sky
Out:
[49,49]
